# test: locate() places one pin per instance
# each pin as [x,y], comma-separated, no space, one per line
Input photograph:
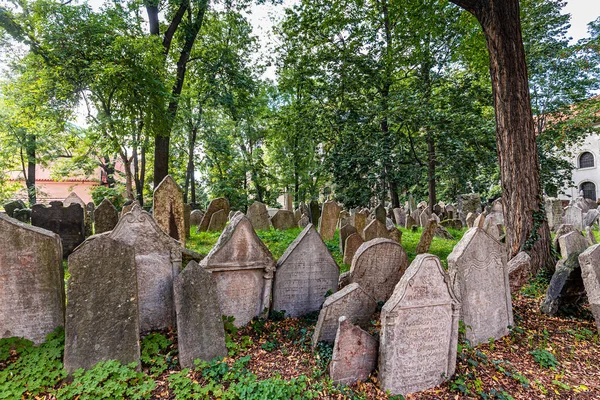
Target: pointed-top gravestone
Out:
[419,329]
[32,297]
[353,242]
[102,313]
[106,217]
[589,262]
[67,222]
[477,267]
[283,220]
[215,205]
[73,198]
[218,221]
[380,213]
[200,333]
[345,231]
[377,267]
[243,269]
[328,221]
[158,262]
[375,230]
[426,236]
[306,274]
[358,219]
[168,210]
[128,206]
[259,216]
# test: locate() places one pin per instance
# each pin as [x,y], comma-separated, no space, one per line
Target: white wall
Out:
[581,175]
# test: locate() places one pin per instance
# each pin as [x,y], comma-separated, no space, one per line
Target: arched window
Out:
[586,160]
[589,190]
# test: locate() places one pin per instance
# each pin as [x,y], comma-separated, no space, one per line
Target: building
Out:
[586,174]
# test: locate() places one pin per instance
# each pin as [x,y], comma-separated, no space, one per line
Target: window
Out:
[589,190]
[586,160]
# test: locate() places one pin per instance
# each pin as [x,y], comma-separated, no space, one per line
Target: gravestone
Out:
[288,202]
[590,217]
[560,231]
[410,222]
[426,237]
[359,220]
[304,221]
[345,231]
[470,220]
[442,232]
[158,262]
[315,212]
[259,216]
[243,268]
[196,217]
[450,212]
[11,206]
[200,333]
[306,274]
[589,261]
[106,217]
[589,236]
[102,320]
[354,354]
[380,213]
[329,218]
[128,206]
[187,214]
[353,242]
[283,220]
[23,215]
[477,267]
[215,205]
[73,198]
[424,217]
[519,271]
[377,267]
[479,221]
[566,287]
[452,223]
[554,212]
[469,203]
[419,329]
[573,216]
[67,222]
[168,209]
[400,216]
[395,234]
[218,220]
[375,230]
[297,215]
[351,302]
[572,242]
[32,297]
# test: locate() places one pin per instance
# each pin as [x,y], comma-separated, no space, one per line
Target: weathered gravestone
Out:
[128,206]
[217,221]
[259,216]
[73,198]
[380,213]
[560,231]
[470,219]
[200,333]
[477,266]
[519,271]
[11,206]
[351,302]
[23,215]
[572,242]
[158,262]
[354,354]
[106,217]
[329,218]
[345,231]
[574,216]
[566,287]
[315,212]
[243,269]
[589,236]
[196,217]
[377,267]
[358,219]
[215,205]
[353,242]
[283,220]
[554,212]
[32,297]
[419,329]
[304,221]
[424,217]
[450,212]
[168,210]
[297,215]
[399,216]
[590,217]
[395,234]
[67,222]
[375,230]
[410,222]
[426,236]
[589,261]
[102,320]
[306,274]
[469,203]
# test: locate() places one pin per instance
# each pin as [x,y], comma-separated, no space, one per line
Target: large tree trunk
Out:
[526,228]
[31,163]
[431,170]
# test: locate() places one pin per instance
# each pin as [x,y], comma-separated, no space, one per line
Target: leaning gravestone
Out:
[566,287]
[306,274]
[380,213]
[217,221]
[158,262]
[243,269]
[410,222]
[554,212]
[399,216]
[424,217]
[375,230]
[351,302]
[259,216]
[200,333]
[477,267]
[304,221]
[519,271]
[329,218]
[377,267]
[215,205]
[353,242]
[574,216]
[572,242]
[168,210]
[589,261]
[67,222]
[345,231]
[102,313]
[106,217]
[196,217]
[32,297]
[560,231]
[283,220]
[419,329]
[590,217]
[427,236]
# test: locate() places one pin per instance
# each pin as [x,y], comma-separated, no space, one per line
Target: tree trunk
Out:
[526,227]
[142,171]
[431,170]
[31,163]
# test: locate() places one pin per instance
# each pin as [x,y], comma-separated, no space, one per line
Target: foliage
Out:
[544,358]
[113,194]
[156,354]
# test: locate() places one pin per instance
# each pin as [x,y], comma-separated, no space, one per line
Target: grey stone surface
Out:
[351,302]
[519,271]
[477,267]
[345,231]
[304,221]
[589,262]
[380,213]
[128,206]
[452,223]
[102,320]
[196,217]
[23,215]
[410,222]
[243,269]
[375,229]
[259,216]
[328,221]
[560,231]
[283,220]
[354,354]
[554,212]
[11,206]
[306,274]
[442,232]
[168,210]
[470,219]
[215,205]
[200,333]
[419,329]
[158,262]
[566,286]
[589,236]
[469,203]
[426,237]
[573,216]
[67,222]
[73,198]
[377,267]
[106,217]
[572,242]
[399,216]
[218,220]
[395,234]
[591,217]
[32,297]
[353,242]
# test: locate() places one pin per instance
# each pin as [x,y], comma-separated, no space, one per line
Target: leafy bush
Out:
[155,354]
[544,358]
[114,195]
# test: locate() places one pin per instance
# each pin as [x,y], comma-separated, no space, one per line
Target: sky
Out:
[582,12]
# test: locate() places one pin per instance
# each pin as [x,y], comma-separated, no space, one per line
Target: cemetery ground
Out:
[543,357]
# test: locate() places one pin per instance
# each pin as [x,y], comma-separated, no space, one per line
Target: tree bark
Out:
[526,227]
[431,171]
[31,163]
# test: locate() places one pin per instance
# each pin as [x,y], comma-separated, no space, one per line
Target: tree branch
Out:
[183,7]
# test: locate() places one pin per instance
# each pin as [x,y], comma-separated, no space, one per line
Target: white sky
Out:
[582,12]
